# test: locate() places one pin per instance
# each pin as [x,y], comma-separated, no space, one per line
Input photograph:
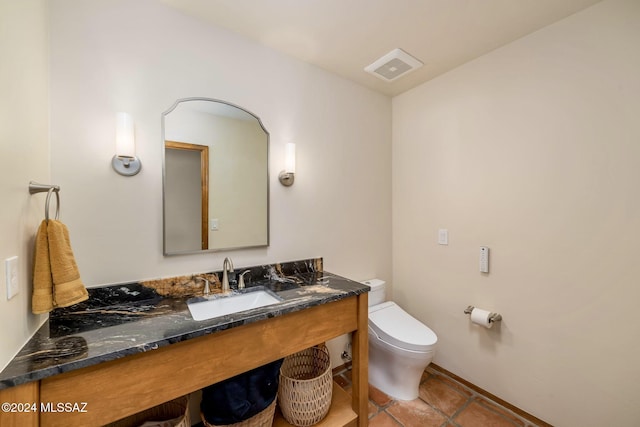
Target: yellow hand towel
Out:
[42,297]
[68,288]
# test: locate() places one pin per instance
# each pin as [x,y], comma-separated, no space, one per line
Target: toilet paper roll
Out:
[481,317]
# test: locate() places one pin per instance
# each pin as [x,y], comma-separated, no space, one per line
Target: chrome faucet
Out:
[227,267]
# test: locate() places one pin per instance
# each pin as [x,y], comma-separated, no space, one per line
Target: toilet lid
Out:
[397,327]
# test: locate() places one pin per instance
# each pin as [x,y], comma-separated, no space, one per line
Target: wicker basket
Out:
[305,386]
[173,409]
[263,418]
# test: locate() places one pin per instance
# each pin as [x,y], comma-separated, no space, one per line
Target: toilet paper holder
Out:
[493,317]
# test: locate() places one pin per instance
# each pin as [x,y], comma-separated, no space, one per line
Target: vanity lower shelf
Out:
[340,414]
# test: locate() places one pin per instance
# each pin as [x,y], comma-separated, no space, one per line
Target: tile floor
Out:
[443,402]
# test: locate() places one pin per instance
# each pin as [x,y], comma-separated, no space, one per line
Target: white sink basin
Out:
[203,309]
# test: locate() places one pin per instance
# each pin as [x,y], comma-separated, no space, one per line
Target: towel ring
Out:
[46,205]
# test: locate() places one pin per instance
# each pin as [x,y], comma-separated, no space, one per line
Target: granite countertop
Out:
[126,319]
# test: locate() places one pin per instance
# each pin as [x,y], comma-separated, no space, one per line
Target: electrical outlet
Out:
[11,268]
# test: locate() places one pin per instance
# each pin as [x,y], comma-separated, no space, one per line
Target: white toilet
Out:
[400,346]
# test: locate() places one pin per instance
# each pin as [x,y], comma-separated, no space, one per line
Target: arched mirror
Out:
[215,177]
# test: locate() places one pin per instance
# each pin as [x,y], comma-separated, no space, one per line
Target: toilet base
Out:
[396,372]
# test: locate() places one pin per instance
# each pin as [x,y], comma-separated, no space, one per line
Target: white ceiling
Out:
[344,36]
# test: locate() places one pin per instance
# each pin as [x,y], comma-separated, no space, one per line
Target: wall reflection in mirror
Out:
[215,181]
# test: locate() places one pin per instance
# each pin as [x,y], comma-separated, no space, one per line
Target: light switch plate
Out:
[443,236]
[484,259]
[11,269]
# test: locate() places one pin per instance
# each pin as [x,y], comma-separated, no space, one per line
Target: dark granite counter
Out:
[131,318]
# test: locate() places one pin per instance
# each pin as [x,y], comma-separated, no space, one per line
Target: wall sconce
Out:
[287,175]
[125,161]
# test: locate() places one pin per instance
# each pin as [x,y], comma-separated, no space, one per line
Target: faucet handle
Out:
[206,291]
[241,279]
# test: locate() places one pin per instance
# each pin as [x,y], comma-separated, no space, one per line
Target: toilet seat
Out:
[395,326]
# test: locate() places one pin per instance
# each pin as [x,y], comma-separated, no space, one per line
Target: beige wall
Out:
[533,151]
[24,142]
[139,57]
[242,221]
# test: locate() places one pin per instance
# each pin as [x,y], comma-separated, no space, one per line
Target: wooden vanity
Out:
[121,387]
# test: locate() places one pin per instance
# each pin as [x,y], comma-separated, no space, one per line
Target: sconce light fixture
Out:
[125,161]
[287,175]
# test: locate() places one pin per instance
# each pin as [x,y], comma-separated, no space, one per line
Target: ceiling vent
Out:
[393,65]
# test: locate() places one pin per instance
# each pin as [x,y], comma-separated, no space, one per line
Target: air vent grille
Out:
[393,65]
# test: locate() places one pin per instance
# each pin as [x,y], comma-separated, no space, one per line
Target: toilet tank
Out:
[377,293]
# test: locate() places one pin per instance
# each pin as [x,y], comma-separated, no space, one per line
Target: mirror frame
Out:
[198,251]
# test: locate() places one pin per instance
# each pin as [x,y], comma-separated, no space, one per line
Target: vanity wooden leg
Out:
[20,405]
[360,370]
